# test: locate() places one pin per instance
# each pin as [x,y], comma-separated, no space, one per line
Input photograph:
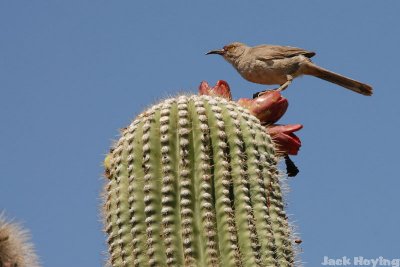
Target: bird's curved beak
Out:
[218,52]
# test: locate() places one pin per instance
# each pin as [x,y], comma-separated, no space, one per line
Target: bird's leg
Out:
[286,84]
[280,89]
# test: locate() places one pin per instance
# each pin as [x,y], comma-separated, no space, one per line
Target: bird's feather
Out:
[269,52]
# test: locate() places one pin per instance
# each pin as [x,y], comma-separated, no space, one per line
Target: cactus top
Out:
[193,181]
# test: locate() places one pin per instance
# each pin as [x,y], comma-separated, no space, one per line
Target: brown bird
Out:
[273,64]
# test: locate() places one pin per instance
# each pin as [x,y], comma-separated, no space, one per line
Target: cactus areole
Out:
[193,181]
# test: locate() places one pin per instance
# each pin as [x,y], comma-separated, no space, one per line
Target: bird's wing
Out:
[269,52]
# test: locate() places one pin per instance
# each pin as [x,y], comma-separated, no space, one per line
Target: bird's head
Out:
[231,51]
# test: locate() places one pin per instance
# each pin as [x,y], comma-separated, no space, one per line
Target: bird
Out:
[275,64]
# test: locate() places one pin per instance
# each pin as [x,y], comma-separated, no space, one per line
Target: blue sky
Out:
[73,72]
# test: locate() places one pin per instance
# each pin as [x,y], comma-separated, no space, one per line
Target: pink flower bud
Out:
[268,108]
[284,138]
[221,89]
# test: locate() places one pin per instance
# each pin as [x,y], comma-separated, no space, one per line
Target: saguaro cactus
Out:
[15,247]
[193,181]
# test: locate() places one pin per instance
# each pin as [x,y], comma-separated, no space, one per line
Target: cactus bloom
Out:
[221,89]
[286,141]
[268,107]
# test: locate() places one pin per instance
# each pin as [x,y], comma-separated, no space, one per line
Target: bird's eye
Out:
[229,47]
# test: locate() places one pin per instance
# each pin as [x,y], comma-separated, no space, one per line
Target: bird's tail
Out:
[356,86]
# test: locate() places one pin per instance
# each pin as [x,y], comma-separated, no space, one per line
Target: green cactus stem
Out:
[193,181]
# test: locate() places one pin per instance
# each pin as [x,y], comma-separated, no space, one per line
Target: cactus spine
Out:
[193,181]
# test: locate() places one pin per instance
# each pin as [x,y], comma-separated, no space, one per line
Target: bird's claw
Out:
[255,95]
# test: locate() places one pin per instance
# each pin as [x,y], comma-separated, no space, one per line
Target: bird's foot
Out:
[279,89]
[255,95]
